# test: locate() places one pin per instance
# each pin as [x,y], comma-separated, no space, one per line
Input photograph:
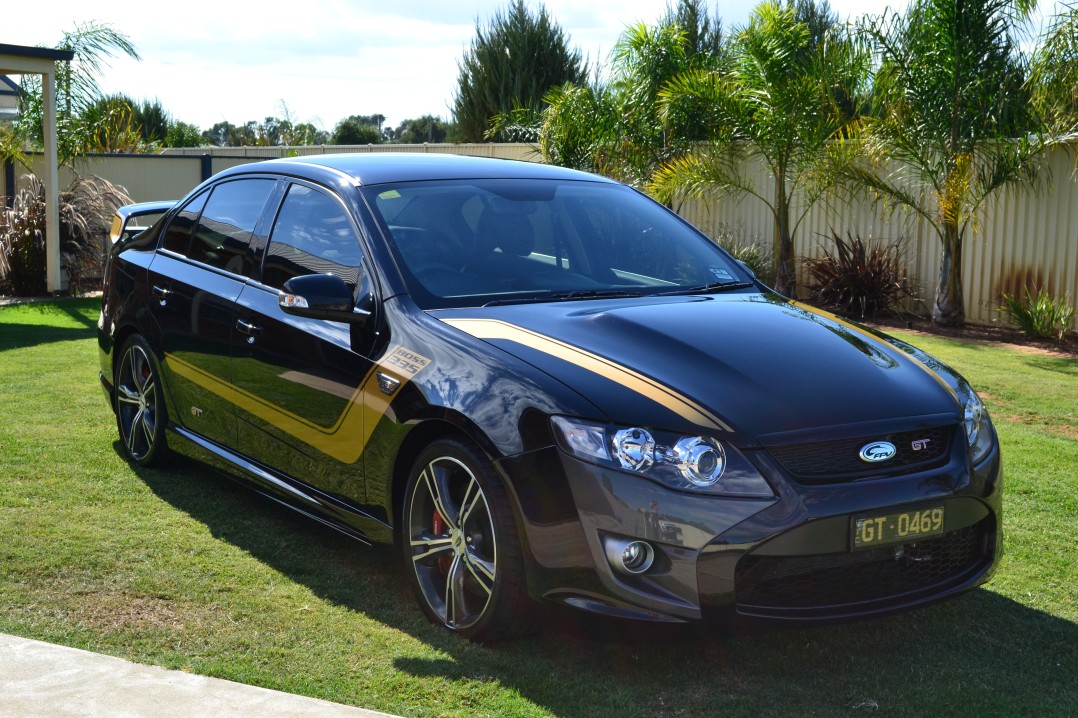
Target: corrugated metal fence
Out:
[1022,236]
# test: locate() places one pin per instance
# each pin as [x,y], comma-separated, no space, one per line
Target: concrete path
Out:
[41,679]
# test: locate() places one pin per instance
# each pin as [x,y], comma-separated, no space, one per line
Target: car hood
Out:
[747,365]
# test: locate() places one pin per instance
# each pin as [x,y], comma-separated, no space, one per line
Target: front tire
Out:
[461,545]
[141,416]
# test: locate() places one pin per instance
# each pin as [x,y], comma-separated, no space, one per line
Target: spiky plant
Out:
[1040,316]
[858,278]
[85,207]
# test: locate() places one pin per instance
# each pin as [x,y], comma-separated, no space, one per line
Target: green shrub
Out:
[748,249]
[857,278]
[1041,316]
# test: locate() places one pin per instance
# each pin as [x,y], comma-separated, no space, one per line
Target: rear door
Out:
[195,279]
[300,379]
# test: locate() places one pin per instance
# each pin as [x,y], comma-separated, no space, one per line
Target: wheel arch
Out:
[414,442]
[452,426]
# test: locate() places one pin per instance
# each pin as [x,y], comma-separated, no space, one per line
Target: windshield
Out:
[475,242]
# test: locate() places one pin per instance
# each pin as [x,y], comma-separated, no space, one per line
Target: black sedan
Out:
[543,386]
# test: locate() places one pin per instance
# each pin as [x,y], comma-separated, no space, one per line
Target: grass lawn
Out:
[184,569]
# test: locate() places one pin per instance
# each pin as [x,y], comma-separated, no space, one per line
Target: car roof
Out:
[381,167]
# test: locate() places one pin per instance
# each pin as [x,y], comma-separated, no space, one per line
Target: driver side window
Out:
[313,234]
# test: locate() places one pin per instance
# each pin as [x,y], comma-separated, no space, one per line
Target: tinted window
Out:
[470,242]
[312,235]
[178,235]
[224,231]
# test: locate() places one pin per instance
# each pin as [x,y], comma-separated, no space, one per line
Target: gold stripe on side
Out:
[876,340]
[643,385]
[348,436]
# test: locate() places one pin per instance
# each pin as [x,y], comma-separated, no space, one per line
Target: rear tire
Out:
[461,547]
[141,416]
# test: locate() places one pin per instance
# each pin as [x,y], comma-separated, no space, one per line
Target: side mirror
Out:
[320,296]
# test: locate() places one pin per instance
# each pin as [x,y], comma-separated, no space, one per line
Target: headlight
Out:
[690,463]
[976,423]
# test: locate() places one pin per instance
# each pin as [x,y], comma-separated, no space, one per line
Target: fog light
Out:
[629,556]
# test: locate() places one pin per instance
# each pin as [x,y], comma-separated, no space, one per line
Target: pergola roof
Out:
[23,60]
[24,52]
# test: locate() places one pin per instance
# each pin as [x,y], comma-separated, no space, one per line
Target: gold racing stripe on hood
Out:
[643,385]
[346,438]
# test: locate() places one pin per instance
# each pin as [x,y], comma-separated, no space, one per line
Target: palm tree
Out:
[612,124]
[1054,73]
[776,103]
[77,90]
[952,123]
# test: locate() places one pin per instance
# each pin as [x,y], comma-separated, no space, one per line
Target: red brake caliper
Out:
[438,528]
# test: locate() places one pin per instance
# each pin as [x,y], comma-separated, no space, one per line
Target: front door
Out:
[301,409]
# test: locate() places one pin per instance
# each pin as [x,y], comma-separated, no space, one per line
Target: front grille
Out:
[830,462]
[836,584]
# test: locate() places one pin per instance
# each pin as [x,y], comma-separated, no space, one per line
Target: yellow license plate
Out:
[899,527]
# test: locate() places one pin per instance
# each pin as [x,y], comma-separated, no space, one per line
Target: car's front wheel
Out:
[141,416]
[461,545]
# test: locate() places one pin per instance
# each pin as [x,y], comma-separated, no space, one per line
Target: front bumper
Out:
[788,557]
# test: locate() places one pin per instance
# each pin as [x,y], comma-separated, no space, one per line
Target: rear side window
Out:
[178,235]
[223,233]
[313,234]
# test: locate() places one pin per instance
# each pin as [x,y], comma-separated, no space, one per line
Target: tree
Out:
[615,126]
[703,32]
[511,64]
[182,134]
[1054,73]
[354,131]
[306,133]
[953,122]
[76,88]
[418,130]
[111,125]
[817,16]
[220,135]
[376,119]
[152,121]
[774,103]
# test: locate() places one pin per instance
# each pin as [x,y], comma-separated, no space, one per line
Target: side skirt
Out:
[286,491]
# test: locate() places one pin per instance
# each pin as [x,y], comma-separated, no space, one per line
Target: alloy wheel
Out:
[137,400]
[452,542]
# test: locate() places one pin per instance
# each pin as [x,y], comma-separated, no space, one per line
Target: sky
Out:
[322,60]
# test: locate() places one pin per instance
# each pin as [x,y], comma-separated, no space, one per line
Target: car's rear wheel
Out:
[461,545]
[141,416]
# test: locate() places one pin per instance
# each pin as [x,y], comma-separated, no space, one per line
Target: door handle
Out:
[251,330]
[163,293]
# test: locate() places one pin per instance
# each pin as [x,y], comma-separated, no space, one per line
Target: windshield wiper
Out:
[594,294]
[574,295]
[710,288]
